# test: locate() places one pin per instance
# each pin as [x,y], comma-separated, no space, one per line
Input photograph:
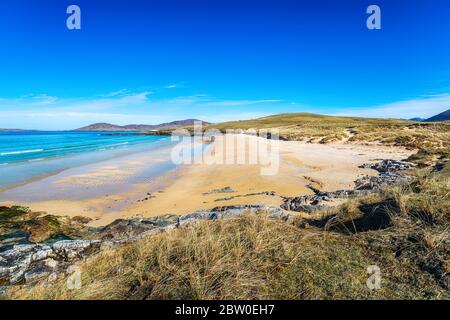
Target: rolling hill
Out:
[140,127]
[444,116]
[431,139]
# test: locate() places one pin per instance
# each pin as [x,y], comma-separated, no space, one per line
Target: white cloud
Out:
[424,107]
[125,107]
[233,103]
[29,100]
[121,107]
[221,117]
[116,93]
[170,86]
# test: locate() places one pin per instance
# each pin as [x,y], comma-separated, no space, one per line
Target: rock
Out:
[292,205]
[388,165]
[81,219]
[37,274]
[128,228]
[43,269]
[33,262]
[21,226]
[12,237]
[76,249]
[16,262]
[222,190]
[389,173]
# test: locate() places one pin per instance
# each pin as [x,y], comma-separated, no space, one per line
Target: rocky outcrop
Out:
[28,263]
[386,166]
[390,172]
[19,225]
[123,229]
[31,262]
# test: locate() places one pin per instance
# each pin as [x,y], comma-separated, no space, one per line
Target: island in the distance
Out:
[141,127]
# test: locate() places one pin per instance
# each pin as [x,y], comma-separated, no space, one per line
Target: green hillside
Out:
[430,139]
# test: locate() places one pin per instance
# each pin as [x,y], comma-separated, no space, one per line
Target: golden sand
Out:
[188,187]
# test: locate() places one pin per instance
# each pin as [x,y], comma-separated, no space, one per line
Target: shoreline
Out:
[31,180]
[186,188]
[21,172]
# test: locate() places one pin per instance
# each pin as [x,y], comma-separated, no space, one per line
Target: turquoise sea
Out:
[27,155]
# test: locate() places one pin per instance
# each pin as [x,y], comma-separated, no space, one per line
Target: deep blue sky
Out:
[151,61]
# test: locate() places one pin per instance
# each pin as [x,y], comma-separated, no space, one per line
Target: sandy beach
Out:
[148,185]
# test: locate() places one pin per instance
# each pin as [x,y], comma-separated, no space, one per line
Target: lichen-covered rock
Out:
[19,225]
[16,262]
[76,249]
[32,262]
[38,273]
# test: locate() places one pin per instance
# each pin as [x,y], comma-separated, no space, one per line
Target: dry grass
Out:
[431,139]
[404,231]
[412,219]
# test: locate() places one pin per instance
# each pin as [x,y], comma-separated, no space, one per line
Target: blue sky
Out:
[162,60]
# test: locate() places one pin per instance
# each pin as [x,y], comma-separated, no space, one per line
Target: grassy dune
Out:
[404,231]
[432,140]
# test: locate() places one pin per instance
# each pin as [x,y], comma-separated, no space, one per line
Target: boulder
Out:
[16,262]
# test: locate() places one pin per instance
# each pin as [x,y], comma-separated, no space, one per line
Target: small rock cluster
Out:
[389,173]
[387,165]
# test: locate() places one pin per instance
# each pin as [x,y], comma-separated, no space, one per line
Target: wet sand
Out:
[149,185]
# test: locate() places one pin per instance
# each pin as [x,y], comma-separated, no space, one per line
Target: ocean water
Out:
[28,155]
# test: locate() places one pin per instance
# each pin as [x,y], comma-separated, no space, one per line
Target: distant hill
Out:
[101,127]
[326,129]
[140,127]
[417,119]
[444,116]
[297,121]
[12,130]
